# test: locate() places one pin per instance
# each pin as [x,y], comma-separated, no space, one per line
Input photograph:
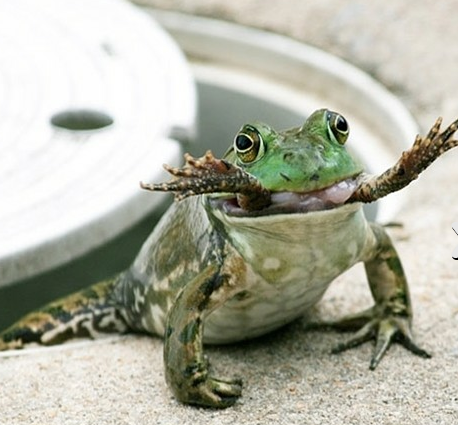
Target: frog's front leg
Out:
[186,367]
[391,317]
[410,165]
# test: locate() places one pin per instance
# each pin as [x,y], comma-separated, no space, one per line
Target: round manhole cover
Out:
[90,91]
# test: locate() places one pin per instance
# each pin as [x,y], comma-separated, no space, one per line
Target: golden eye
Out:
[338,128]
[248,144]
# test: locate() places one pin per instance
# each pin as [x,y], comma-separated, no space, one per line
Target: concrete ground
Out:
[290,377]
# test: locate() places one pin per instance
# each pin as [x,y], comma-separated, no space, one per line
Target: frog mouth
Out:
[292,202]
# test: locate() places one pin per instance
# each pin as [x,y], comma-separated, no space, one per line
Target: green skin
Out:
[212,274]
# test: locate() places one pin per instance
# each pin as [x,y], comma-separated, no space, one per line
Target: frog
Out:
[251,244]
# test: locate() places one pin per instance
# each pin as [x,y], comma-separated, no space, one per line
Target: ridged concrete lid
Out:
[91,92]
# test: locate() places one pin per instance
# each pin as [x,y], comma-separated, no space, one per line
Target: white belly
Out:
[291,264]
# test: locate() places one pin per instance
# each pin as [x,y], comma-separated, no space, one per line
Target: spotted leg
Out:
[186,367]
[87,313]
[391,317]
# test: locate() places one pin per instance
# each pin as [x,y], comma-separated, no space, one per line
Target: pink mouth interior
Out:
[295,202]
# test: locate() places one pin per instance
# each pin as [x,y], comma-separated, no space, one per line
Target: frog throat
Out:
[291,202]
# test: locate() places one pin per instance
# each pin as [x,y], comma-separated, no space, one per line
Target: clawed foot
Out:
[212,392]
[414,161]
[212,175]
[384,330]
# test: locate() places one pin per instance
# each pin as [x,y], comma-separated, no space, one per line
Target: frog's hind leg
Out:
[87,313]
[390,318]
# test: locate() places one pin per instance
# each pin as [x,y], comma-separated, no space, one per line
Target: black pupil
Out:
[341,124]
[243,142]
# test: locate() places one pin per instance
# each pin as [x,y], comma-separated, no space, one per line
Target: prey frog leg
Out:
[414,161]
[186,368]
[84,314]
[211,175]
[390,318]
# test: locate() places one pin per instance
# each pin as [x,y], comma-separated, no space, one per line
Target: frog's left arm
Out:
[423,153]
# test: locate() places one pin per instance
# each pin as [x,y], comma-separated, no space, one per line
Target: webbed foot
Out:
[383,328]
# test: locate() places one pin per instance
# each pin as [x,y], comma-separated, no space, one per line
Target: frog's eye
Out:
[338,128]
[248,145]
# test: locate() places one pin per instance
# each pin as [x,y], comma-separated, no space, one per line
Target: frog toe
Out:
[394,329]
[227,391]
[385,331]
[215,393]
[363,335]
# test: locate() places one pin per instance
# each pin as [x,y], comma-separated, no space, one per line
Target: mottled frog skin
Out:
[227,265]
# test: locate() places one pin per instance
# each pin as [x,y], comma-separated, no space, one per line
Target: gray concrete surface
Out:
[290,377]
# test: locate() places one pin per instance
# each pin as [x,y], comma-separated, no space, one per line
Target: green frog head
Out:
[305,168]
[302,159]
